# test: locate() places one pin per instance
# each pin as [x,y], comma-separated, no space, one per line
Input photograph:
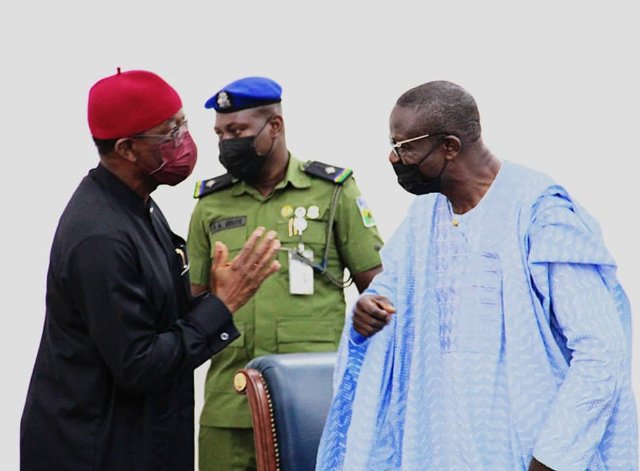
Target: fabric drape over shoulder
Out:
[511,339]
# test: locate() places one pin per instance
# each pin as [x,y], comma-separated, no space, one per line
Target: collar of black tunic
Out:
[120,190]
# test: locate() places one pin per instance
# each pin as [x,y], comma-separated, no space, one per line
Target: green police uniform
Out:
[275,321]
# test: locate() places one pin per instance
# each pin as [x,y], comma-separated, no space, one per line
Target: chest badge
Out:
[286,211]
[313,212]
[299,221]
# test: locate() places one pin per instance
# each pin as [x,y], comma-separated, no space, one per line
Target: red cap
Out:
[129,103]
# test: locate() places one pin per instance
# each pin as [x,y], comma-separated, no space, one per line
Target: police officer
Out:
[324,225]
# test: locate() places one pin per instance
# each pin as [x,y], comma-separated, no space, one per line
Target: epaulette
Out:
[327,172]
[206,187]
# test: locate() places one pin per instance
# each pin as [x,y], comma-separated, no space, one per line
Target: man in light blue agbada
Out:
[502,336]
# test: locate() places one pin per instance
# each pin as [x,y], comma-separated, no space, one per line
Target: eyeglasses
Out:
[396,146]
[176,135]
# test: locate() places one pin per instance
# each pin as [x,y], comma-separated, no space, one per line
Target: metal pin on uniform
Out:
[299,222]
[313,212]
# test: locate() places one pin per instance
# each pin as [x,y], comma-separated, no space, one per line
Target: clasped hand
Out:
[235,281]
[371,314]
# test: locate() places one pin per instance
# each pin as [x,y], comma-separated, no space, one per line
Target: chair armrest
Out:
[250,382]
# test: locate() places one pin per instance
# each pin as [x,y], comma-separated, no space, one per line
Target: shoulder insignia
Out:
[205,187]
[365,212]
[332,173]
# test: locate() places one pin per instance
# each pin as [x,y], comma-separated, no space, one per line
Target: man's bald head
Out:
[443,106]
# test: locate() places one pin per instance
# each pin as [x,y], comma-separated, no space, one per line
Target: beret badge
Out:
[223,100]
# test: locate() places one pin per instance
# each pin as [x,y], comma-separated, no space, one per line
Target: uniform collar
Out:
[295,176]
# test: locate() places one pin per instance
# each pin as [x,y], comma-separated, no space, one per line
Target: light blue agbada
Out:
[512,337]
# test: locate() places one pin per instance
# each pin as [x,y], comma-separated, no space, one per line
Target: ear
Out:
[124,148]
[452,146]
[276,125]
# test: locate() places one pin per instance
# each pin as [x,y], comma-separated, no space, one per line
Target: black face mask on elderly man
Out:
[240,158]
[411,179]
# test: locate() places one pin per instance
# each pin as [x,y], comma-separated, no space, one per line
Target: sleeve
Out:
[396,255]
[357,237]
[565,257]
[109,288]
[199,247]
[393,255]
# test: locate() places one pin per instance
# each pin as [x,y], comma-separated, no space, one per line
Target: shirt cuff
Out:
[216,322]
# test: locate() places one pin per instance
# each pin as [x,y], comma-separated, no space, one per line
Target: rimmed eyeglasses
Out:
[396,146]
[176,134]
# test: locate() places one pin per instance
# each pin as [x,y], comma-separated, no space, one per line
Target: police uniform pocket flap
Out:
[232,232]
[313,232]
[305,331]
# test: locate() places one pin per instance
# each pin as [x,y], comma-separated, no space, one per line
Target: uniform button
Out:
[224,336]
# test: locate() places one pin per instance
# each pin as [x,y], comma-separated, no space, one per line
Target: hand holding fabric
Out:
[235,282]
[371,314]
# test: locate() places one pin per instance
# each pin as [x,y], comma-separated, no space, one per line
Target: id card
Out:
[300,274]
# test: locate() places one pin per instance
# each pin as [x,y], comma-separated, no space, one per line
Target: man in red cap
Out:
[112,386]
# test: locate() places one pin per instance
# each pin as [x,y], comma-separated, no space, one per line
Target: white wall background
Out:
[556,83]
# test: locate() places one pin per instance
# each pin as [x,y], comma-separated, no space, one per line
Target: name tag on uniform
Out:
[300,274]
[227,223]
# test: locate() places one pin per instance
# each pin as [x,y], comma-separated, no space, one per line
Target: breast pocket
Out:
[305,336]
[314,237]
[471,314]
[234,238]
[315,233]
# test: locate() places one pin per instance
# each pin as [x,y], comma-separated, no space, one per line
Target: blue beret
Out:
[248,92]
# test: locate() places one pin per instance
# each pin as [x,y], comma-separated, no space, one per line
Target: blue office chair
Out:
[289,395]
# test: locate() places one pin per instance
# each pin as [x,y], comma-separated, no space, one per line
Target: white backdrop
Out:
[556,83]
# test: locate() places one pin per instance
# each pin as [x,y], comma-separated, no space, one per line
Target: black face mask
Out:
[240,158]
[410,178]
